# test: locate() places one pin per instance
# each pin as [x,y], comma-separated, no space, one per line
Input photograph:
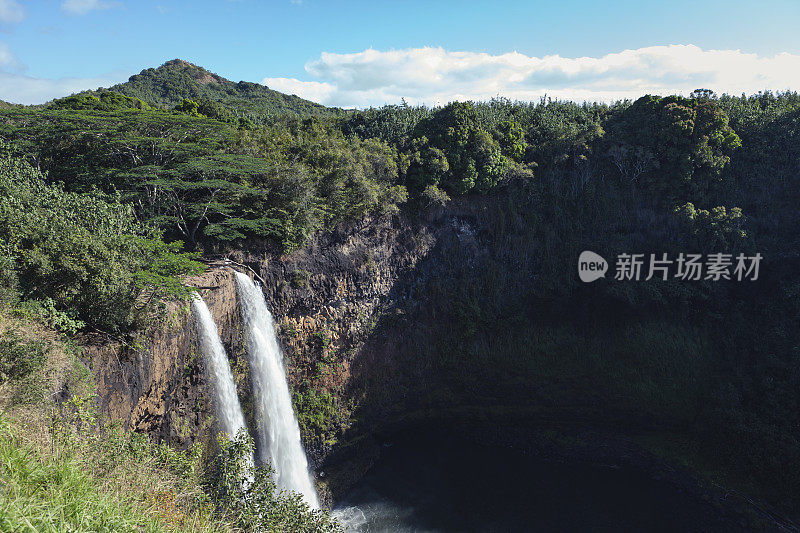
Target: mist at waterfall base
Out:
[277,428]
[228,409]
[431,480]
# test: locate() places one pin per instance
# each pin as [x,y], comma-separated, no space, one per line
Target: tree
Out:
[675,147]
[88,254]
[450,149]
[511,138]
[190,107]
[714,230]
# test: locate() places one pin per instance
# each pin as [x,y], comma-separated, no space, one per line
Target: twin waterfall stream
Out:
[229,412]
[278,431]
[278,434]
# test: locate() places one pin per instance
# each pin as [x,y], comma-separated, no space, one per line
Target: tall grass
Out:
[63,468]
[101,482]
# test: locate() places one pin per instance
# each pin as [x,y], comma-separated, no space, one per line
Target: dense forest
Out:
[110,197]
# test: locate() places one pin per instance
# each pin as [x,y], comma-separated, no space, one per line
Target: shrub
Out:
[434,196]
[18,357]
[247,495]
[45,311]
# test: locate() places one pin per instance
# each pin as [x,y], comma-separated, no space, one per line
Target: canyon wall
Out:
[156,383]
[351,309]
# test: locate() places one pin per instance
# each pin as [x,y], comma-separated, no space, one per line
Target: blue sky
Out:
[424,51]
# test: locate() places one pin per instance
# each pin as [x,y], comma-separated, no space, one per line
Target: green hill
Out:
[176,80]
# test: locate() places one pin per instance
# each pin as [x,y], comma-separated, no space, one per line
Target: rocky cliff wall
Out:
[345,308]
[156,383]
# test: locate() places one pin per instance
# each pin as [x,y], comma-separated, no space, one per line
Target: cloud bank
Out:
[437,76]
[20,89]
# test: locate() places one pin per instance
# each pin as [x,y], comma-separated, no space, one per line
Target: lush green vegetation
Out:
[98,101]
[65,468]
[211,183]
[248,496]
[112,179]
[85,255]
[96,483]
[451,150]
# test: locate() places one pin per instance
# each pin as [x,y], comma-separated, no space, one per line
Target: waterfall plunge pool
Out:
[435,482]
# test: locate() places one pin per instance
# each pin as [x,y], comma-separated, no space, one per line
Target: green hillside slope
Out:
[176,80]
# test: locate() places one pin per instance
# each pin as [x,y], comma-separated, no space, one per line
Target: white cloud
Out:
[81,7]
[435,76]
[310,90]
[11,12]
[8,59]
[17,88]
[20,89]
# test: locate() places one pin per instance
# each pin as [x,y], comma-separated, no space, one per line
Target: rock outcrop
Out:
[156,383]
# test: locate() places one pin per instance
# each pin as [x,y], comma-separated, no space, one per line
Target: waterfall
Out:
[229,411]
[278,431]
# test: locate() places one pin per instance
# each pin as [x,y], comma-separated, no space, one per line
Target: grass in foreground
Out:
[113,482]
[64,469]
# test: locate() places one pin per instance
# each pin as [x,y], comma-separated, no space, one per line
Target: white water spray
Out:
[278,431]
[228,409]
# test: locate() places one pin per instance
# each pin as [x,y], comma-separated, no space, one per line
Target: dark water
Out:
[440,483]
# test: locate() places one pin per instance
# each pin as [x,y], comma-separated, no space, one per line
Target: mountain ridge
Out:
[177,80]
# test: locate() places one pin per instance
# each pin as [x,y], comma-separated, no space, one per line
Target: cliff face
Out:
[324,298]
[327,300]
[357,312]
[156,384]
[352,310]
